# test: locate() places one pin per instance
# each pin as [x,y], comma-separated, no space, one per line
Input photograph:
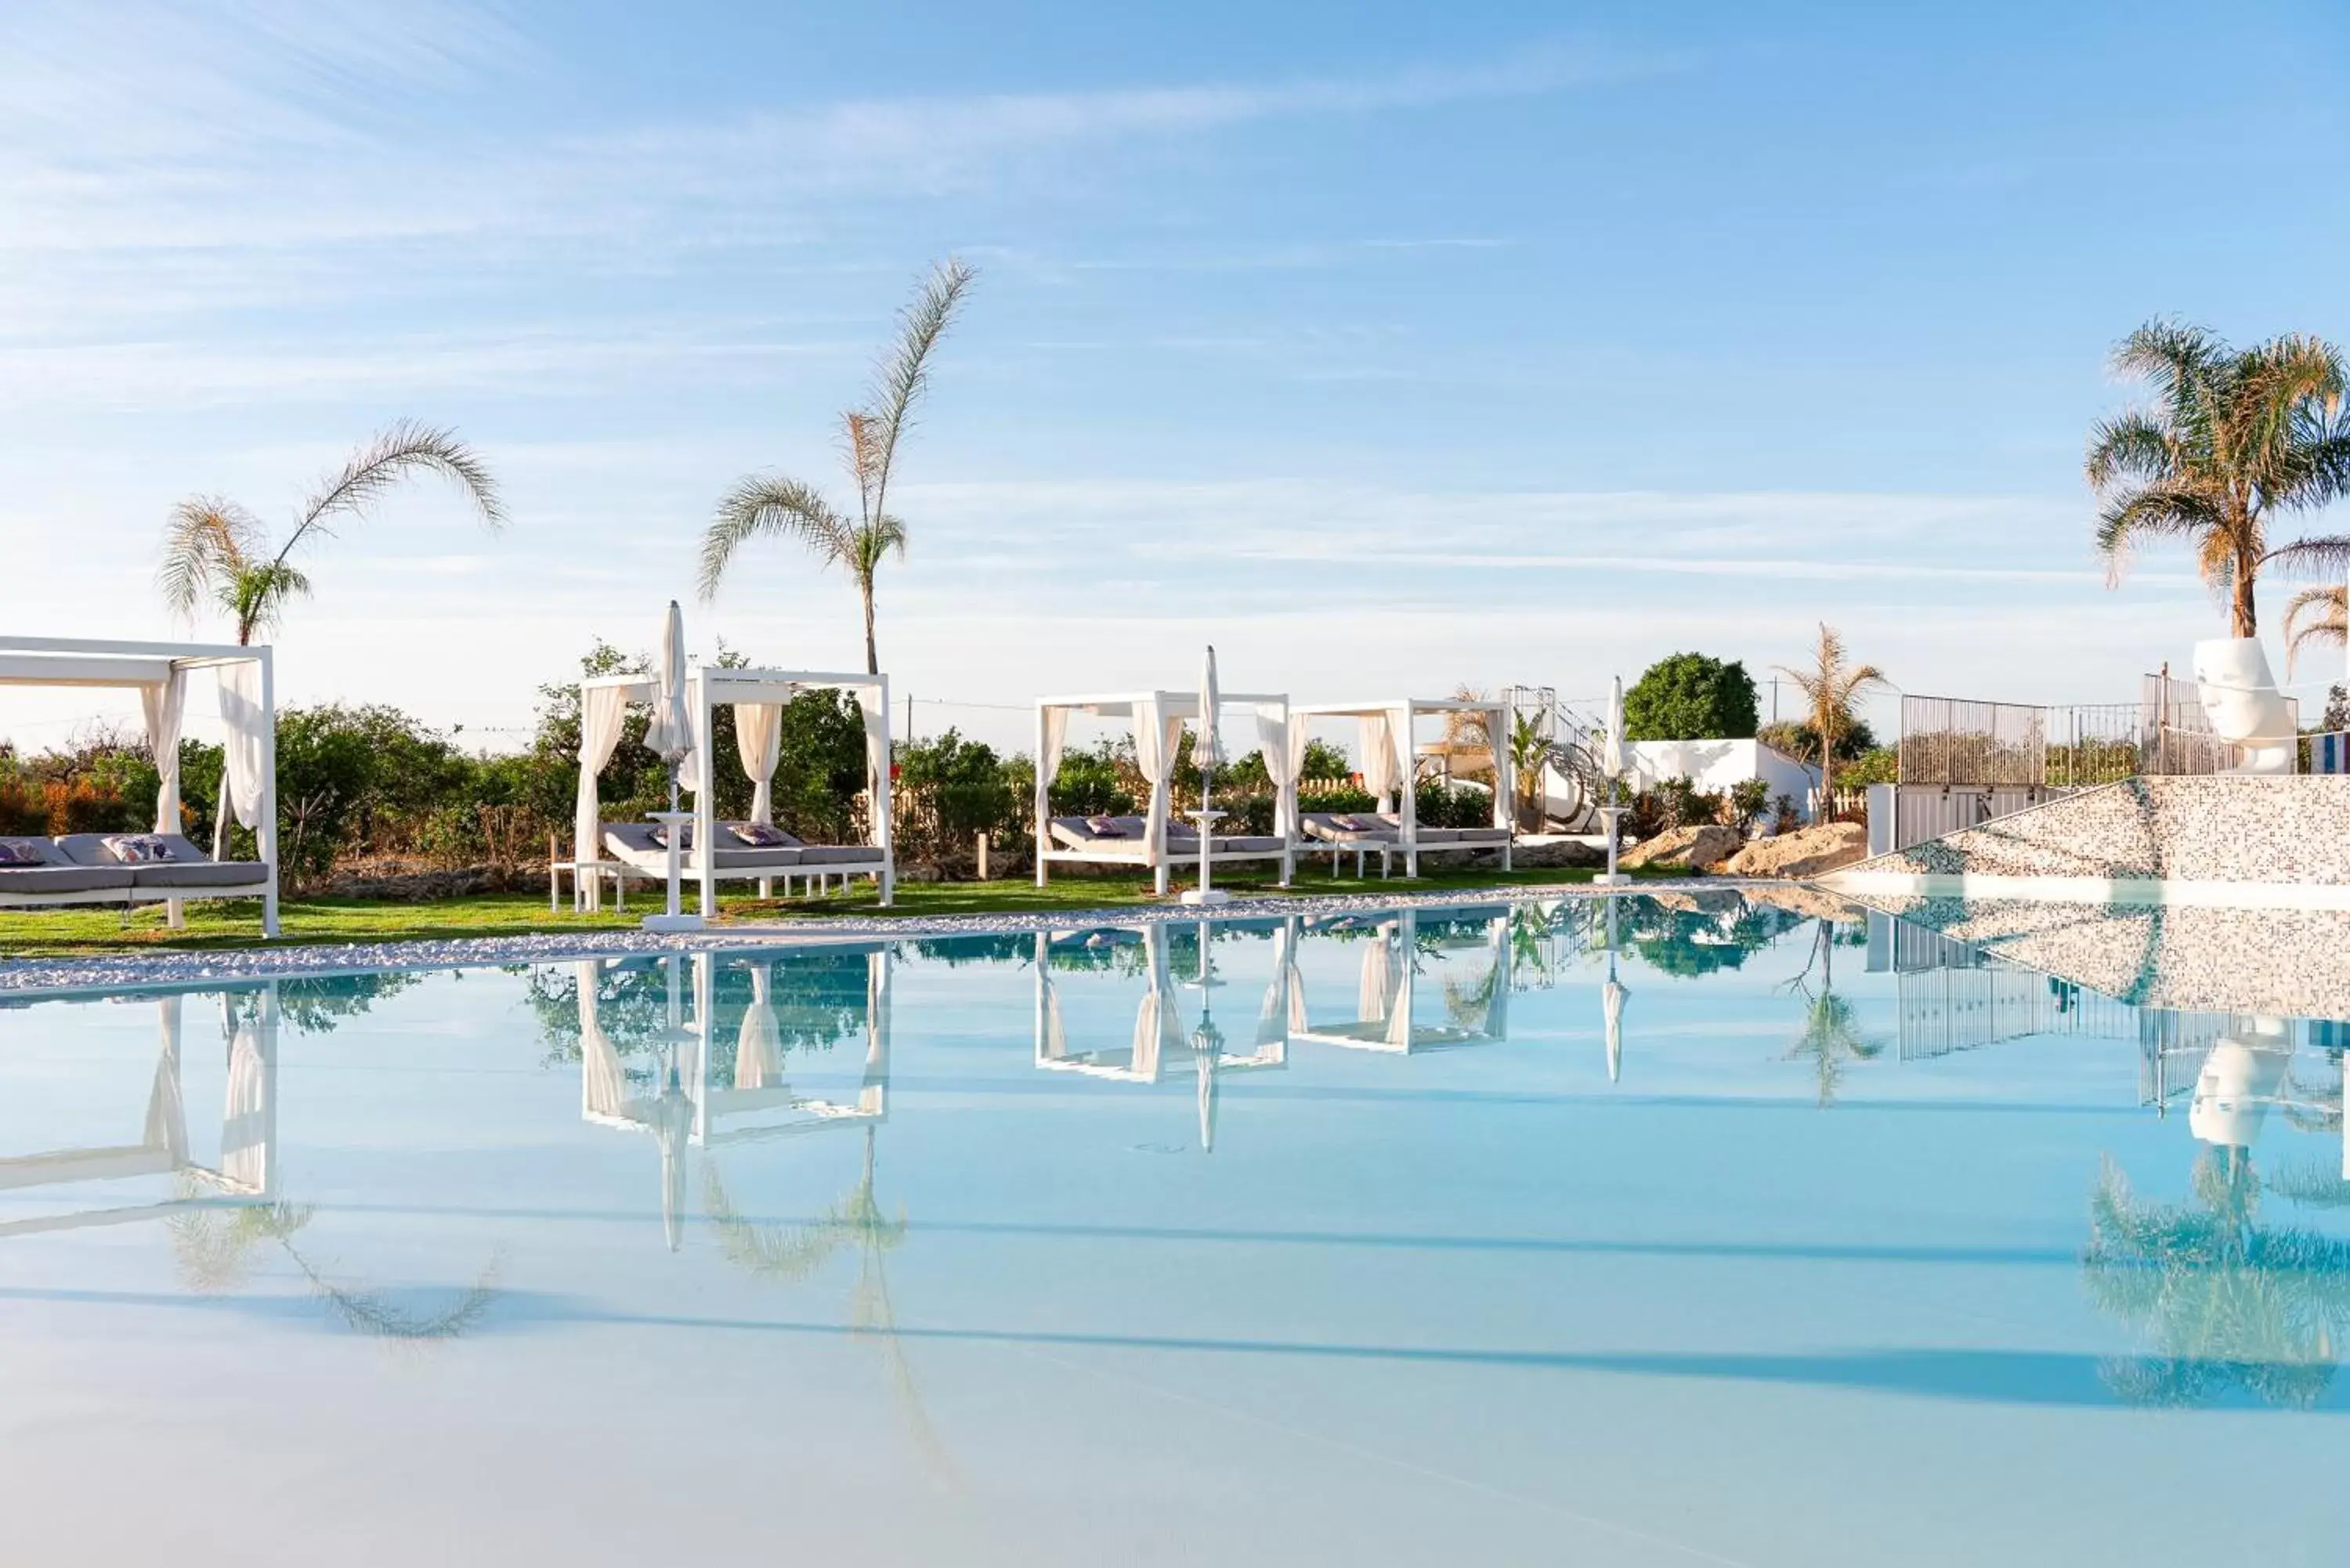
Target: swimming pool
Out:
[1694,1228]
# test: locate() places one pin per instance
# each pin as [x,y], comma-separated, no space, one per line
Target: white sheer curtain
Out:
[759,1043]
[247,1127]
[1158,735]
[243,748]
[603,1082]
[869,701]
[167,1112]
[1380,769]
[601,710]
[1274,731]
[164,704]
[1051,733]
[759,736]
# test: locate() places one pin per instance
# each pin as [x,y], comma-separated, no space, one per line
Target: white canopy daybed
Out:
[162,867]
[621,850]
[1152,841]
[1389,757]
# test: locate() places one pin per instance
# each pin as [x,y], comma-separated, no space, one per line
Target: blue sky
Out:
[1387,346]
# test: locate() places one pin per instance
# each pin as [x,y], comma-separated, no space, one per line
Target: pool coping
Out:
[23,978]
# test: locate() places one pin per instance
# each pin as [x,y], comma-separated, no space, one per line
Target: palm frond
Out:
[761,504]
[2170,510]
[2328,557]
[2328,609]
[905,374]
[402,448]
[2131,445]
[208,540]
[2174,357]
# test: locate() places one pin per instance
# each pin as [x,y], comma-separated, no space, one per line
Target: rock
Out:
[1558,852]
[1807,852]
[1695,848]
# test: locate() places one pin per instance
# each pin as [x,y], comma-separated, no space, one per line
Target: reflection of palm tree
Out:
[2225,1299]
[795,1253]
[214,1243]
[1831,1034]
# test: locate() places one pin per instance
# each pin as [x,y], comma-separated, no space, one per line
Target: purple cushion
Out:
[138,849]
[21,852]
[659,835]
[1105,827]
[763,835]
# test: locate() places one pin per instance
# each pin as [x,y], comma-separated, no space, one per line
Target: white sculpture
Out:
[2240,1082]
[2245,709]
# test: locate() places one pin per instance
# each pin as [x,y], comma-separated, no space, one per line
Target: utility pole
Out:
[910,718]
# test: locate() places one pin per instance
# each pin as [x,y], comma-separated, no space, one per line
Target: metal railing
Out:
[1953,741]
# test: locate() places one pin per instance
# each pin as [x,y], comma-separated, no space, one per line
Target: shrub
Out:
[1092,784]
[1675,803]
[1690,696]
[1749,798]
[1802,742]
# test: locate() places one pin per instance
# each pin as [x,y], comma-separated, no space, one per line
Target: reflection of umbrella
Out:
[1611,1001]
[670,736]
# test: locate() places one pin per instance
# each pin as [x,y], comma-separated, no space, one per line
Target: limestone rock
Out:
[1694,848]
[1559,851]
[1808,852]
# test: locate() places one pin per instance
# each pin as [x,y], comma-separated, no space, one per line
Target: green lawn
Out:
[51,933]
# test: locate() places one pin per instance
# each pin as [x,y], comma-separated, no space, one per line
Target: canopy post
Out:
[268,838]
[1043,799]
[705,810]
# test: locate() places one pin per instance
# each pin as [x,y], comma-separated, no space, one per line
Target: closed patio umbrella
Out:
[670,736]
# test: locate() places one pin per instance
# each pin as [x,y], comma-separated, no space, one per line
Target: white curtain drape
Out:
[1274,1014]
[869,702]
[1378,975]
[877,1011]
[759,1043]
[1158,735]
[1157,1021]
[1053,729]
[601,710]
[164,704]
[167,1112]
[247,1129]
[1273,727]
[1497,1006]
[1379,771]
[759,736]
[246,741]
[603,1082]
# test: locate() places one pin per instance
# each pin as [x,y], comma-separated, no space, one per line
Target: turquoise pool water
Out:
[1799,1242]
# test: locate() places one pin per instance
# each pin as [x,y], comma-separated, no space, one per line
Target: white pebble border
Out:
[164,967]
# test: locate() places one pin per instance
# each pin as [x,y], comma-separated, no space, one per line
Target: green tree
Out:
[771,503]
[1690,696]
[214,549]
[2234,437]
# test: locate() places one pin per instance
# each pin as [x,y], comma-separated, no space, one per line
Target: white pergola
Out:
[1391,755]
[1158,718]
[158,672]
[1390,976]
[757,696]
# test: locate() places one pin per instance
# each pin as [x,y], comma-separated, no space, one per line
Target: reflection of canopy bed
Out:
[162,867]
[1154,842]
[248,1128]
[684,1107]
[621,850]
[1389,987]
[1160,1039]
[1389,764]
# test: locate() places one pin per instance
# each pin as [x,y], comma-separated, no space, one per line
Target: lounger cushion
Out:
[762,835]
[20,852]
[62,879]
[1330,827]
[631,844]
[100,849]
[1428,837]
[1247,845]
[1078,832]
[1483,834]
[175,874]
[839,855]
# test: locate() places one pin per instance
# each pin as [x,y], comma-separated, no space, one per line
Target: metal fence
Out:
[1951,741]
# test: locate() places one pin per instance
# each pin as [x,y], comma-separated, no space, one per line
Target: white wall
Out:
[1718,765]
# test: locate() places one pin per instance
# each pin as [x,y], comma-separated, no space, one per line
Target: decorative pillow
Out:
[765,836]
[1105,827]
[1353,824]
[21,852]
[138,849]
[661,836]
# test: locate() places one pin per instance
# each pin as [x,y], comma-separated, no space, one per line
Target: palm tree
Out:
[2234,436]
[1831,686]
[762,504]
[213,548]
[2325,609]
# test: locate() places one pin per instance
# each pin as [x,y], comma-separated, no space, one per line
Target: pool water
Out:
[1642,1230]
